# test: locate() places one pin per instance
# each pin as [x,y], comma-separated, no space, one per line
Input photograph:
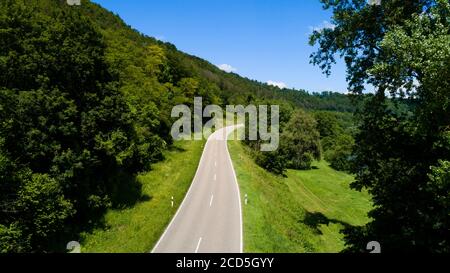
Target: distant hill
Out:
[233,88]
[85,105]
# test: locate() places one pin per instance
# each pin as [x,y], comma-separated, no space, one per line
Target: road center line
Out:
[210,202]
[215,177]
[198,244]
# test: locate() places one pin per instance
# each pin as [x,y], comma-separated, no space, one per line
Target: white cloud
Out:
[280,85]
[161,38]
[322,26]
[227,68]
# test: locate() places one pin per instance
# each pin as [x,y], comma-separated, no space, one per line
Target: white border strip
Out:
[237,186]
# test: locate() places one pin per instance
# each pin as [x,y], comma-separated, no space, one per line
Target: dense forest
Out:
[85,105]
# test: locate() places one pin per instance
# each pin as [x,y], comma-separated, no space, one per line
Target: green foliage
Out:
[138,228]
[438,185]
[360,28]
[43,208]
[327,124]
[302,212]
[274,162]
[400,47]
[10,240]
[336,132]
[66,130]
[85,105]
[340,154]
[300,141]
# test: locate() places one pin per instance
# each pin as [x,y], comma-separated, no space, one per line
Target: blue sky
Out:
[266,40]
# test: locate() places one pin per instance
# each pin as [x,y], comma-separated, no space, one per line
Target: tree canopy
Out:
[401,154]
[85,105]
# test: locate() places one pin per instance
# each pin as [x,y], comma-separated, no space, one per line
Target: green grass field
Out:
[137,229]
[303,212]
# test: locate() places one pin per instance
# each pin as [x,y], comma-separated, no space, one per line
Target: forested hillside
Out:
[85,105]
[230,87]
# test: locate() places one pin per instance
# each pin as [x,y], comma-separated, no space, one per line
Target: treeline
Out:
[69,138]
[85,105]
[399,144]
[83,109]
[306,136]
[236,90]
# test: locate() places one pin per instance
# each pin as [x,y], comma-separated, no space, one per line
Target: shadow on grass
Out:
[315,219]
[127,192]
[120,190]
[176,148]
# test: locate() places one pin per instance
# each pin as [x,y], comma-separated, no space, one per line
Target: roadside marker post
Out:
[74,247]
[172,201]
[246,199]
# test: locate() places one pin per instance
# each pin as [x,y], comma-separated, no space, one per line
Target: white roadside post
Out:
[246,199]
[74,247]
[172,201]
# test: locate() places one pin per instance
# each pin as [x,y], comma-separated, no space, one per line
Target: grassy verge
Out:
[303,212]
[137,229]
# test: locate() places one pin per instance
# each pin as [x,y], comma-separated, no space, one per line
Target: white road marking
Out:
[194,181]
[239,192]
[215,177]
[210,202]
[215,163]
[198,244]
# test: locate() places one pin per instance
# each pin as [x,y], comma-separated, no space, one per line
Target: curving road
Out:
[209,220]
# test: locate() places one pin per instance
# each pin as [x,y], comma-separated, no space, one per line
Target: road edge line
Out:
[237,185]
[184,199]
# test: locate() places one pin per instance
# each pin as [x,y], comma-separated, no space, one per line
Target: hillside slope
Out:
[85,104]
[303,212]
[232,88]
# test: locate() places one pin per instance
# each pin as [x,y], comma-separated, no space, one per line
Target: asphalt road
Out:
[209,219]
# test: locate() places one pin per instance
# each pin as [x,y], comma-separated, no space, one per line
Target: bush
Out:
[11,240]
[300,141]
[339,155]
[43,209]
